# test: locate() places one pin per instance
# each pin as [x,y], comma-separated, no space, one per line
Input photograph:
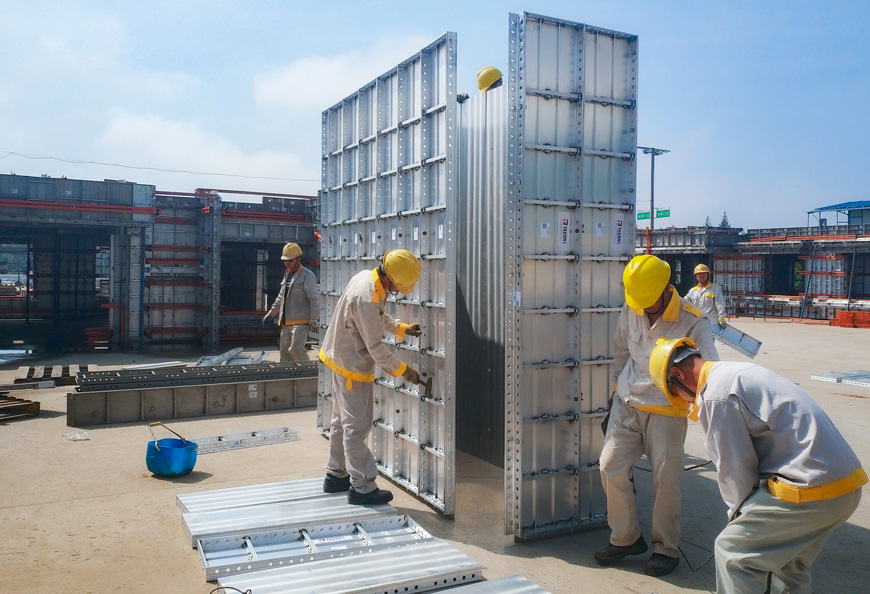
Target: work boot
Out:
[333,484]
[659,565]
[373,498]
[613,554]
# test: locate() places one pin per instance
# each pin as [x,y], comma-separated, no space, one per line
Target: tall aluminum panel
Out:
[570,196]
[388,182]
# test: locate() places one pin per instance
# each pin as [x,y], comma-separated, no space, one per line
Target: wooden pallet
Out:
[62,375]
[13,408]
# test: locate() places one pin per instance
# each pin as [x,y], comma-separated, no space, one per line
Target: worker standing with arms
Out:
[788,477]
[351,348]
[297,305]
[707,296]
[641,419]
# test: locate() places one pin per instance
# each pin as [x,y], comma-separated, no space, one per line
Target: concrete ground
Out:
[88,517]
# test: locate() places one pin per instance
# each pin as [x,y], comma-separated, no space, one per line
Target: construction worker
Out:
[642,421]
[297,305]
[351,348]
[788,477]
[489,78]
[707,296]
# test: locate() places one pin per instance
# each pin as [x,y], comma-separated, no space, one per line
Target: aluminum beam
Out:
[423,567]
[249,439]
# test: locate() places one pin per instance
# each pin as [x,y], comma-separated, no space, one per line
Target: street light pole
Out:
[648,150]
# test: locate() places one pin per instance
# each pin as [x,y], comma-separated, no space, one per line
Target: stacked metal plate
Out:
[851,378]
[249,495]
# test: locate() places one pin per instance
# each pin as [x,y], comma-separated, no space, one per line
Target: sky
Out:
[761,103]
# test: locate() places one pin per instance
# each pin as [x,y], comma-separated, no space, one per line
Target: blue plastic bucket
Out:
[170,456]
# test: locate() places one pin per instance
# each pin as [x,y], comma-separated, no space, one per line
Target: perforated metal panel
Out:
[572,93]
[388,182]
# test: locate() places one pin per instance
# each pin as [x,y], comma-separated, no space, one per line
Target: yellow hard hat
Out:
[701,268]
[403,269]
[486,77]
[663,358]
[291,251]
[645,279]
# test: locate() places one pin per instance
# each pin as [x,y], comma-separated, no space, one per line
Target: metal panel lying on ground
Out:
[853,378]
[572,89]
[239,521]
[388,182]
[249,495]
[221,556]
[249,439]
[424,567]
[514,584]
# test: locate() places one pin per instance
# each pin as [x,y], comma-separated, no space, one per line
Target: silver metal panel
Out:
[388,181]
[737,339]
[514,584]
[424,567]
[248,439]
[249,495]
[222,556]
[238,521]
[854,378]
[573,90]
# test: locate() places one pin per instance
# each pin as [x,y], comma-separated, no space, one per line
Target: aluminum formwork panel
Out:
[424,567]
[221,556]
[514,584]
[573,90]
[287,515]
[249,495]
[388,182]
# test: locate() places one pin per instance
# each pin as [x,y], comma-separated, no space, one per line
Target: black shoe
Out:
[659,565]
[333,484]
[374,498]
[612,554]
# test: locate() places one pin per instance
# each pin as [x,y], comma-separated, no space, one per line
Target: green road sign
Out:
[661,214]
[642,215]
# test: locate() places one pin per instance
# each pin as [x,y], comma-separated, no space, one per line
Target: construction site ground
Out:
[88,517]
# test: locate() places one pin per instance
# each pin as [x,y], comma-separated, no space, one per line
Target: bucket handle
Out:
[158,423]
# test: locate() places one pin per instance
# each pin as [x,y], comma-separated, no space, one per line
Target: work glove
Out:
[414,330]
[411,376]
[722,323]
[263,321]
[313,326]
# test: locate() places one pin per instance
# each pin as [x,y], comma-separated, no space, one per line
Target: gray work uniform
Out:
[642,421]
[709,299]
[788,477]
[351,348]
[297,303]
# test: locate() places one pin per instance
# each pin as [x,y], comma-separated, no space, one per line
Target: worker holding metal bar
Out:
[642,421]
[297,305]
[785,472]
[352,346]
[707,296]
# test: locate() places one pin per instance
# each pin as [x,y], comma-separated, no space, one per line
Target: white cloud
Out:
[317,82]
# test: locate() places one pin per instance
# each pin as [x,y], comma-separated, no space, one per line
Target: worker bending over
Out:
[707,296]
[297,305]
[351,348]
[642,421]
[788,477]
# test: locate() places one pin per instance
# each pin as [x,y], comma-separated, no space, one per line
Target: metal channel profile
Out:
[238,521]
[222,556]
[736,339]
[425,567]
[179,402]
[388,181]
[572,92]
[842,377]
[125,379]
[249,495]
[514,584]
[249,439]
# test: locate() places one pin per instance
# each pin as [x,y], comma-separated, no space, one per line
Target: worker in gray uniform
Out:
[788,477]
[641,419]
[351,347]
[707,296]
[297,305]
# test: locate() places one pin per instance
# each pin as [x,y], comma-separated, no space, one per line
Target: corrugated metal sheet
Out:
[514,584]
[249,495]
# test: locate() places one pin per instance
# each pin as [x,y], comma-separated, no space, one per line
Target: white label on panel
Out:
[618,234]
[416,233]
[545,230]
[393,234]
[374,236]
[563,241]
[516,298]
[440,231]
[252,390]
[599,229]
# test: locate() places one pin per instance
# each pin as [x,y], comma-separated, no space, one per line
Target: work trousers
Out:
[352,411]
[630,434]
[291,344]
[774,542]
